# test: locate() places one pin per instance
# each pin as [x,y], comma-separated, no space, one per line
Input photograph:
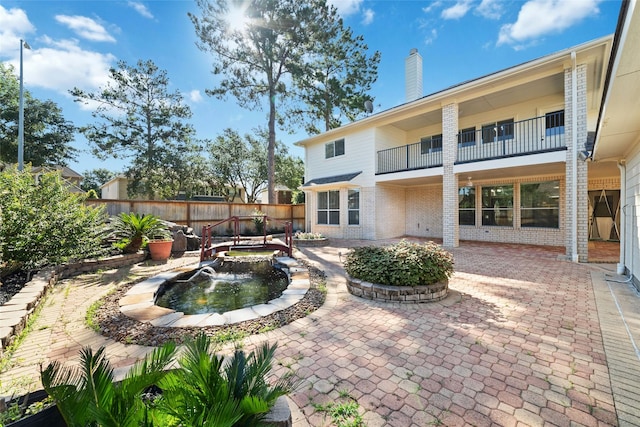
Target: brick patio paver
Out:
[524,339]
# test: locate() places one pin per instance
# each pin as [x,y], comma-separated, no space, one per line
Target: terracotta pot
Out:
[160,250]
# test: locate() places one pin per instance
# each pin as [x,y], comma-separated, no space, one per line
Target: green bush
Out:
[134,230]
[401,264]
[204,389]
[43,223]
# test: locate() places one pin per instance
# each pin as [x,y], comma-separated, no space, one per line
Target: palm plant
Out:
[88,396]
[209,390]
[137,229]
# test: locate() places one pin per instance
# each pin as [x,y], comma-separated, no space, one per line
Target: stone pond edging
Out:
[407,294]
[139,301]
[15,313]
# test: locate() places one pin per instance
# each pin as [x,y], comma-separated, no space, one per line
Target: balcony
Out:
[495,141]
[408,157]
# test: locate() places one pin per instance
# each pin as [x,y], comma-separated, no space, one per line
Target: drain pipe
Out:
[574,157]
[623,218]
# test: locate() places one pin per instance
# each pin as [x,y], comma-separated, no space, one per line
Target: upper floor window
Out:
[498,131]
[467,137]
[329,207]
[431,144]
[540,204]
[333,149]
[554,122]
[497,205]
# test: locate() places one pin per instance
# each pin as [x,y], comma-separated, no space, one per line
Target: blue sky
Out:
[73,43]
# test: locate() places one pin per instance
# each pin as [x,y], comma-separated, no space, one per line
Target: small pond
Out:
[231,286]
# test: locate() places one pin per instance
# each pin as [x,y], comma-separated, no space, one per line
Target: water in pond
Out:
[232,286]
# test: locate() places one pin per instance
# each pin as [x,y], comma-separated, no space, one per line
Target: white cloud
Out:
[346,7]
[434,5]
[141,9]
[457,11]
[430,38]
[368,15]
[540,17]
[62,65]
[195,96]
[14,25]
[86,28]
[353,7]
[490,9]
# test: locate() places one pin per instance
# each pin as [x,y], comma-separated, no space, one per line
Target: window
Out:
[467,137]
[540,204]
[497,205]
[329,207]
[554,123]
[498,131]
[333,149]
[431,144]
[354,207]
[467,206]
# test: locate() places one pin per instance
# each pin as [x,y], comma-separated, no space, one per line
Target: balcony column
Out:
[450,224]
[577,183]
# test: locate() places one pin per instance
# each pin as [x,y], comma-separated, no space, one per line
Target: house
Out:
[500,158]
[284,195]
[617,133]
[116,189]
[71,177]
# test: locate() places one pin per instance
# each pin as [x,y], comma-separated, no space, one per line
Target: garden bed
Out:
[403,294]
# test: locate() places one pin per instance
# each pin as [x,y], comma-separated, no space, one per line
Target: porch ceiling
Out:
[619,125]
[503,173]
[491,100]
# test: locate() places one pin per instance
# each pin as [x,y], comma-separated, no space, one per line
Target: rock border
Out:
[139,302]
[310,243]
[15,313]
[403,294]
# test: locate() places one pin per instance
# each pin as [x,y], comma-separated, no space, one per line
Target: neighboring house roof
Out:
[112,180]
[69,175]
[332,179]
[65,171]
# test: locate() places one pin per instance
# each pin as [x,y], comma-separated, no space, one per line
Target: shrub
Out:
[401,264]
[43,223]
[204,389]
[307,236]
[135,230]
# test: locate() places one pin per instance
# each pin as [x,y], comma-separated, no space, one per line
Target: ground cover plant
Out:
[401,264]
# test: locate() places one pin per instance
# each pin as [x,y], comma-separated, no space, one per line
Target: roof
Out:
[332,179]
[65,171]
[588,51]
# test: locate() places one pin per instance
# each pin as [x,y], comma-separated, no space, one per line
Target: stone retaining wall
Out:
[405,294]
[15,312]
[312,243]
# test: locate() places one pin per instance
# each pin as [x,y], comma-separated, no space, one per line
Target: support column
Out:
[577,183]
[450,220]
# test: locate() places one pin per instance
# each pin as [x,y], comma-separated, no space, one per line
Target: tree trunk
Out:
[271,148]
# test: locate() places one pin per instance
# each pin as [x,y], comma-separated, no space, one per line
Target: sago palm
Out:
[137,228]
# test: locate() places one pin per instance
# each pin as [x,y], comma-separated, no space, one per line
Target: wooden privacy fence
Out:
[199,214]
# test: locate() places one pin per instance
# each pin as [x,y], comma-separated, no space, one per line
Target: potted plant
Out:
[160,248]
[133,230]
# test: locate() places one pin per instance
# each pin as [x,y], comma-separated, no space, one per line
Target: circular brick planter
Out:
[312,243]
[408,294]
